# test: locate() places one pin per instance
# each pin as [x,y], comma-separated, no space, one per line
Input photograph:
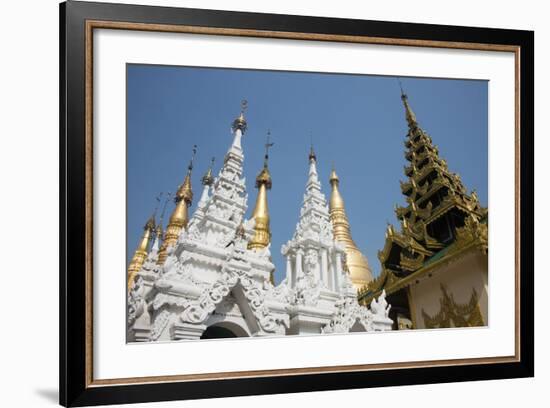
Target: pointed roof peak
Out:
[150,225]
[333,176]
[185,191]
[312,155]
[403,94]
[190,167]
[409,114]
[240,122]
[208,178]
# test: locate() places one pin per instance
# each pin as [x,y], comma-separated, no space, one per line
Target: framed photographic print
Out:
[255,204]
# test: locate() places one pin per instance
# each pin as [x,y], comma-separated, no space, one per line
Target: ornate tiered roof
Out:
[439,218]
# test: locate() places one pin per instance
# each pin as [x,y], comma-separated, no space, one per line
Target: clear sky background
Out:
[357,122]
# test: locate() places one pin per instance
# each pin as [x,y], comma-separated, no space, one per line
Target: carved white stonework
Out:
[323,296]
[210,277]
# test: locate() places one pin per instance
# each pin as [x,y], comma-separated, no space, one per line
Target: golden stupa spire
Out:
[409,114]
[262,233]
[356,262]
[180,215]
[141,251]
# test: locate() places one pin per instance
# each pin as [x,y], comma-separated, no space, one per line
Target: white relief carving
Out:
[211,271]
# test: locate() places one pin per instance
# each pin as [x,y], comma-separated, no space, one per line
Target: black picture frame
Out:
[76,387]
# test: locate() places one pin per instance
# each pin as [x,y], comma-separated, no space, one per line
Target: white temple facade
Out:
[214,283]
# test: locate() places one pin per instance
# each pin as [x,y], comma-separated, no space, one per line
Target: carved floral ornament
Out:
[452,314]
[197,312]
[350,313]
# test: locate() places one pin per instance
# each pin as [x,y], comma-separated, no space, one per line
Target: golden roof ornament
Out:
[336,201]
[262,233]
[208,178]
[240,122]
[358,266]
[180,216]
[389,230]
[140,253]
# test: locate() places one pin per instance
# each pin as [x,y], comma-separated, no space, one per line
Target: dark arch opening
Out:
[217,332]
[357,327]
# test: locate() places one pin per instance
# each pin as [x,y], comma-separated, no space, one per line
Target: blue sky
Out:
[356,122]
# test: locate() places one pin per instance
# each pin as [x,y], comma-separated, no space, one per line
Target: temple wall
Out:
[460,278]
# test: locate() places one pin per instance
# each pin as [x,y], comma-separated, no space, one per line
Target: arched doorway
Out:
[217,332]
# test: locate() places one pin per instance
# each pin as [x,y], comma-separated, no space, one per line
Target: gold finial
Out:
[262,233]
[240,122]
[141,251]
[185,191]
[263,176]
[409,114]
[336,200]
[208,179]
[333,176]
[357,263]
[180,216]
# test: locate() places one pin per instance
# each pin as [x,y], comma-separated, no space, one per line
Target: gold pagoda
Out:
[434,267]
[180,216]
[356,263]
[141,251]
[262,233]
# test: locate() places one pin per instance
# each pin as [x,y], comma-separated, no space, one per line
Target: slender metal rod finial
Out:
[190,167]
[158,200]
[268,145]
[403,94]
[168,196]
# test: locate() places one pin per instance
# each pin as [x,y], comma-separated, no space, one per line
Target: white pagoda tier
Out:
[216,280]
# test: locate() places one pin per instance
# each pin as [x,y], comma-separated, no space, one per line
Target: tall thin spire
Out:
[409,114]
[140,253]
[262,233]
[357,264]
[180,216]
[313,179]
[207,181]
[160,225]
[312,155]
[239,127]
[435,217]
[158,228]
